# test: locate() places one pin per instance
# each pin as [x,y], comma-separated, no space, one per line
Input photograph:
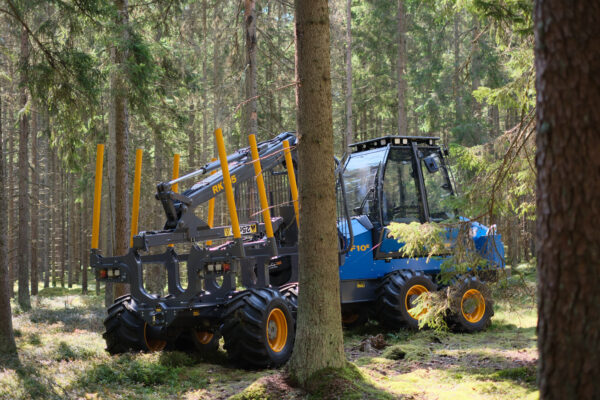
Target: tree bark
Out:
[121,145]
[456,78]
[24,245]
[401,20]
[35,202]
[251,110]
[54,215]
[568,197]
[349,133]
[7,339]
[319,316]
[12,218]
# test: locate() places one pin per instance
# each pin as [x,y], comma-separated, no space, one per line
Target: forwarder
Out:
[242,278]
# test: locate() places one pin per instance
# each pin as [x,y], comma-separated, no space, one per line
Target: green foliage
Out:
[419,239]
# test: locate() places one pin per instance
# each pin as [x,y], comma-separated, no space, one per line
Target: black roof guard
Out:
[394,141]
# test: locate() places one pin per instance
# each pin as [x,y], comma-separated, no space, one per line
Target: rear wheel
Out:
[259,329]
[396,296]
[126,331]
[471,305]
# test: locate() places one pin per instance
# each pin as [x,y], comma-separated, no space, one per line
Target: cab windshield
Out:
[359,180]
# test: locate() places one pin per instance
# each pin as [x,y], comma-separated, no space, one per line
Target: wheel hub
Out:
[272,329]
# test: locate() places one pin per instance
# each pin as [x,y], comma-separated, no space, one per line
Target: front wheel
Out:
[259,329]
[396,297]
[126,331]
[471,305]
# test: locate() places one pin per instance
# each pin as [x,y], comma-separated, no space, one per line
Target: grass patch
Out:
[127,370]
[66,352]
[394,353]
[256,391]
[525,375]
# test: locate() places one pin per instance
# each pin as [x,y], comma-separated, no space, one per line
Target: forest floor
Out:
[61,355]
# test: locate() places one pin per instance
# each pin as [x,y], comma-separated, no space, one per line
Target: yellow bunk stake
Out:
[97,196]
[235,224]
[292,176]
[262,193]
[175,187]
[135,209]
[211,208]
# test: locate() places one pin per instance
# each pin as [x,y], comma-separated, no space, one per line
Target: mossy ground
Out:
[61,355]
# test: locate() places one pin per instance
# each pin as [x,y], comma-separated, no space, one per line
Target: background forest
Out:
[461,70]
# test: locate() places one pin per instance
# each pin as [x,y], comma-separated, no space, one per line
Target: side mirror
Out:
[431,163]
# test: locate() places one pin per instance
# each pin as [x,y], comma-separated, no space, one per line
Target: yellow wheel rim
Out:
[203,337]
[412,294]
[153,344]
[277,330]
[472,305]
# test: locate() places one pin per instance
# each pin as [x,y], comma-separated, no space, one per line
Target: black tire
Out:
[126,331]
[290,293]
[354,315]
[471,305]
[249,320]
[395,296]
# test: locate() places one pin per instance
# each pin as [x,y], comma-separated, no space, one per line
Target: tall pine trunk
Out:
[319,323]
[568,197]
[401,63]
[35,202]
[349,132]
[121,145]
[251,110]
[7,339]
[24,244]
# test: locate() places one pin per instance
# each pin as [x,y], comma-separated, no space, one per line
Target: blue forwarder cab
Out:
[404,179]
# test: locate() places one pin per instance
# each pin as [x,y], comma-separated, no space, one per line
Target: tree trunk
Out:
[205,153]
[349,133]
[475,70]
[85,220]
[70,212]
[251,110]
[456,78]
[12,213]
[35,200]
[54,215]
[7,339]
[63,204]
[121,146]
[24,245]
[319,323]
[47,207]
[401,19]
[568,195]
[216,71]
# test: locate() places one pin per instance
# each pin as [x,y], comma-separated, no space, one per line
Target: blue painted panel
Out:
[361,264]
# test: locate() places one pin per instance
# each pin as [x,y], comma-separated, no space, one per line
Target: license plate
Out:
[244,230]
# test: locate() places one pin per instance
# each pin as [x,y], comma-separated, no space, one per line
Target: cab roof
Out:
[394,141]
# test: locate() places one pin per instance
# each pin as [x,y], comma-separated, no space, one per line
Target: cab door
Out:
[401,198]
